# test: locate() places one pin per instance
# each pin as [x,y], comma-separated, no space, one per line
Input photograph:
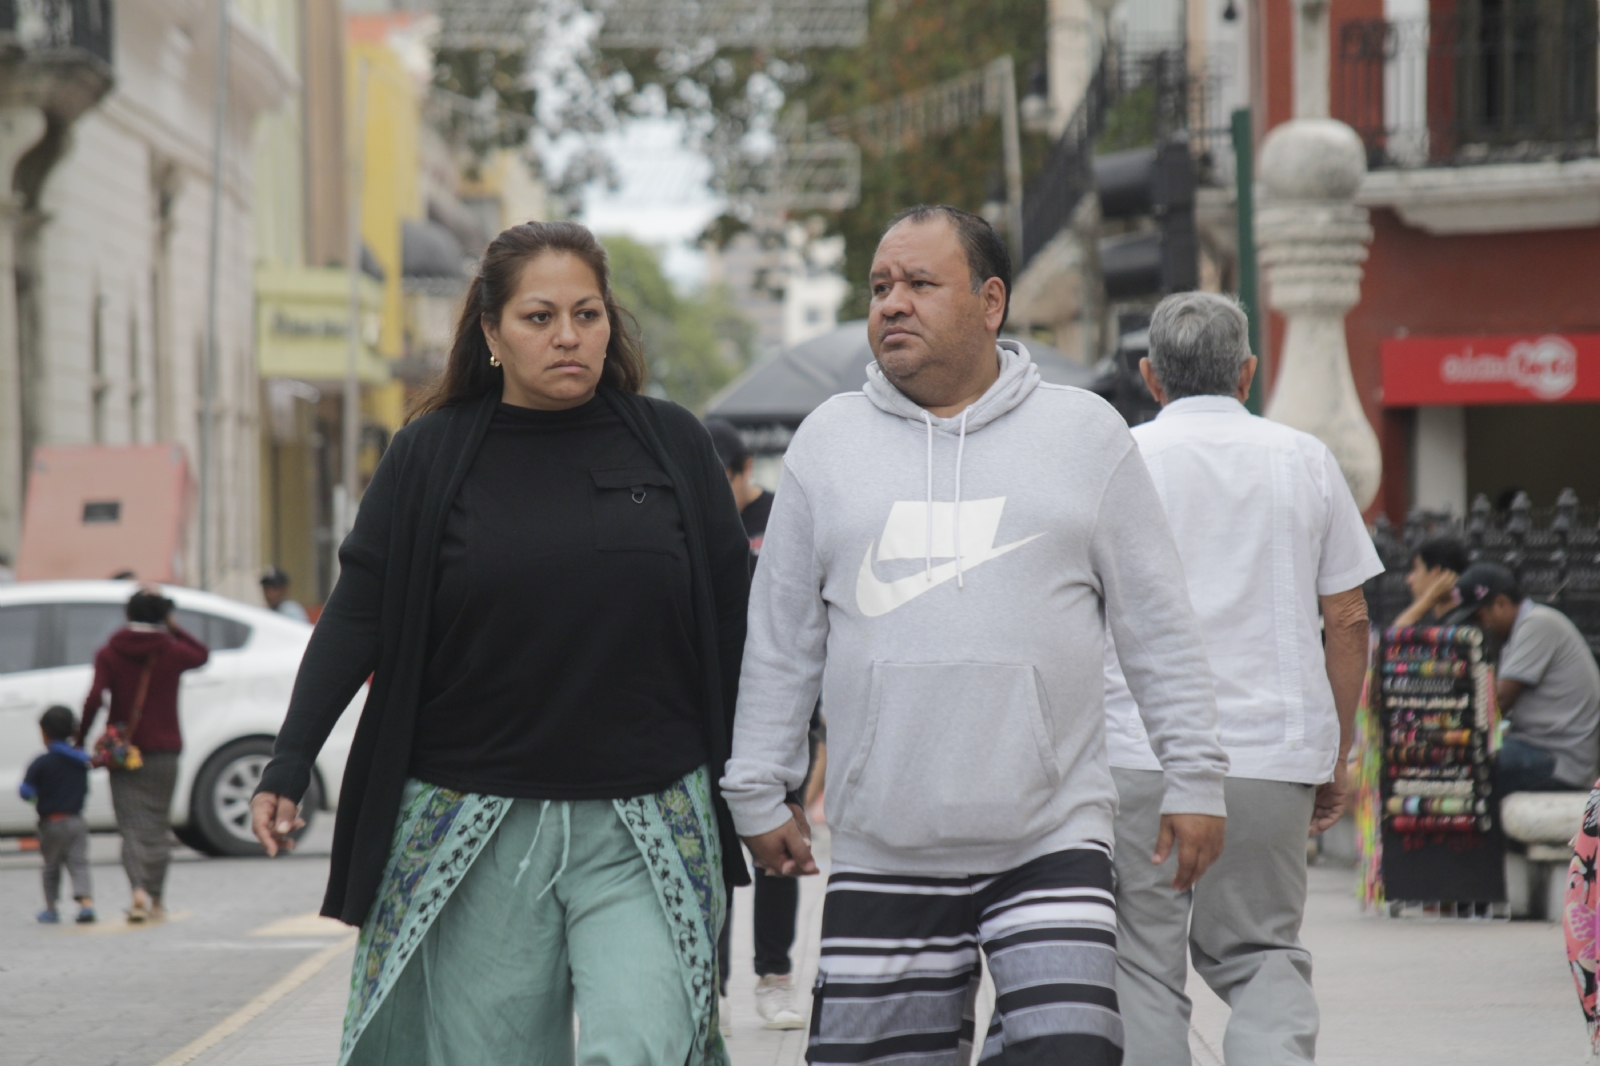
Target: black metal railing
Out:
[1133,99]
[1502,80]
[55,26]
[1554,552]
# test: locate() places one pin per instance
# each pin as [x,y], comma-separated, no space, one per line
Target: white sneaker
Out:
[775,1002]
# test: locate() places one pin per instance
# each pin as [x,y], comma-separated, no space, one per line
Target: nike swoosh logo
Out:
[875,598]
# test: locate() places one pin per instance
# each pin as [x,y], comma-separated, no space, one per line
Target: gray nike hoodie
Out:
[946,583]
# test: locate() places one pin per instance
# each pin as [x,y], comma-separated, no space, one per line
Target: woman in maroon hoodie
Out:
[150,644]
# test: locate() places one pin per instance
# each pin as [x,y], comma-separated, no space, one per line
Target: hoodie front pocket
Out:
[951,754]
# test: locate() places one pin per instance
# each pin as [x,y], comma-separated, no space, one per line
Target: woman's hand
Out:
[272,819]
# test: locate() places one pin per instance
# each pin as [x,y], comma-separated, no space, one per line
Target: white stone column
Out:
[20,130]
[1312,241]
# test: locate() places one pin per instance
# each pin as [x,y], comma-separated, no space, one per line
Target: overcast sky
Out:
[661,199]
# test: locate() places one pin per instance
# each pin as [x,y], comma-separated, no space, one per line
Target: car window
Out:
[214,631]
[85,627]
[21,638]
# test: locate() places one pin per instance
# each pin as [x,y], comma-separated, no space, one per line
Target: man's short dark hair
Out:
[150,608]
[986,252]
[58,722]
[1443,551]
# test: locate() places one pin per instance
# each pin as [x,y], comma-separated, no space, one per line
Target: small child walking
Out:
[58,781]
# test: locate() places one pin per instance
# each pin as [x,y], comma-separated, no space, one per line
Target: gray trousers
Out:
[1240,924]
[142,800]
[65,841]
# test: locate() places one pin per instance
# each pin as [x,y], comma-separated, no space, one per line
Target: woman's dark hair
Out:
[468,375]
[151,608]
[1448,552]
[58,722]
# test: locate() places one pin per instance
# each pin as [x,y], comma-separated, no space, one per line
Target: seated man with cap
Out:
[1547,685]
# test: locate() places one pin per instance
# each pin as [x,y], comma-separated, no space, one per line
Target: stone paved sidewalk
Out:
[1393,993]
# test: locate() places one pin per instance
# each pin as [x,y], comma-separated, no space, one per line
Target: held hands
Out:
[272,819]
[1331,798]
[1199,840]
[784,851]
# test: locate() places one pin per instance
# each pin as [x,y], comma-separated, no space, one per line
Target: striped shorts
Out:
[899,971]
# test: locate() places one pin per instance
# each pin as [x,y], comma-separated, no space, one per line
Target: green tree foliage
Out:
[911,44]
[694,344]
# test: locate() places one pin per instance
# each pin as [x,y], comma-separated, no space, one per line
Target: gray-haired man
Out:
[1269,537]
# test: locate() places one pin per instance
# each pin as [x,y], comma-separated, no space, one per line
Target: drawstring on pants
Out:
[566,846]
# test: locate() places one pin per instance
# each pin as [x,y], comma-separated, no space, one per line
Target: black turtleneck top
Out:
[561,653]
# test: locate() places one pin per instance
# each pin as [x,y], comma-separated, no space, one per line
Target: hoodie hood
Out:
[1018,378]
[137,645]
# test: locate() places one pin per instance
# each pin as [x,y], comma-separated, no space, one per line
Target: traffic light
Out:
[1159,182]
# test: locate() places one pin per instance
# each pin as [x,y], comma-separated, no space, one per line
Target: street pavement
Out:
[246,975]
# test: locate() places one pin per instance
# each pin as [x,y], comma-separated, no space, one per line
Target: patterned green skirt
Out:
[440,833]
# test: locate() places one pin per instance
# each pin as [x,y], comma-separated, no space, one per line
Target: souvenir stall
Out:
[1427,815]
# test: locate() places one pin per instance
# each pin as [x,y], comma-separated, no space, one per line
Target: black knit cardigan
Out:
[375,623]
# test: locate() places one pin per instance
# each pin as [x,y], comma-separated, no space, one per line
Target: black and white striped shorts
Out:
[899,971]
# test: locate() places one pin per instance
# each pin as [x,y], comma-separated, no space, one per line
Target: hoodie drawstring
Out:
[955,520]
[961,447]
[927,541]
[566,847]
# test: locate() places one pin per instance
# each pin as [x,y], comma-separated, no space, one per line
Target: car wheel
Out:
[220,810]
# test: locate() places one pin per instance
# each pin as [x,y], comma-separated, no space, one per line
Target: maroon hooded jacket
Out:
[120,664]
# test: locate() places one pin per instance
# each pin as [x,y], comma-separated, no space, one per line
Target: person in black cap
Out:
[777,899]
[275,590]
[1547,684]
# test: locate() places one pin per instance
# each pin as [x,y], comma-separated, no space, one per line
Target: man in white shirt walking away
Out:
[1270,538]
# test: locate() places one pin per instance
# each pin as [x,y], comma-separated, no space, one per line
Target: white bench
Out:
[1545,822]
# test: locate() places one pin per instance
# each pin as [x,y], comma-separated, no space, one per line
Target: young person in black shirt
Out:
[777,899]
[547,581]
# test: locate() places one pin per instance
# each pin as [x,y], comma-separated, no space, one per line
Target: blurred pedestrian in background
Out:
[547,582]
[58,783]
[973,811]
[1546,683]
[1270,539]
[275,590]
[1435,566]
[139,668]
[777,899]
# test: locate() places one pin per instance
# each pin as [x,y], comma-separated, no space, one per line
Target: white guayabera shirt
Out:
[1265,524]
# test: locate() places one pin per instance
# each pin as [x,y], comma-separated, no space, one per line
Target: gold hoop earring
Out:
[493,361]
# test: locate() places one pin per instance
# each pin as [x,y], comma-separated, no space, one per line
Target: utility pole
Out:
[1245,212]
[1011,137]
[345,501]
[208,372]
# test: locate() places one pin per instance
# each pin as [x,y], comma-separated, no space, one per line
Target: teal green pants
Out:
[557,915]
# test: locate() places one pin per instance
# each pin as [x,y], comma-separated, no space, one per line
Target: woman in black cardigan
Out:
[547,584]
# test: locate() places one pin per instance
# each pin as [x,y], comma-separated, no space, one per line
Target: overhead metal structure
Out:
[497,25]
[733,23]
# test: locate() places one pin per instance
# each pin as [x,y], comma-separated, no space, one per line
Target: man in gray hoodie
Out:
[947,549]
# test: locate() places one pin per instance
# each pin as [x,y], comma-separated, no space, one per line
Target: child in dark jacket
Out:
[58,781]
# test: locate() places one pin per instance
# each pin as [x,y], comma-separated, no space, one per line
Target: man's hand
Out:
[786,850]
[1442,587]
[1331,799]
[272,819]
[1199,840]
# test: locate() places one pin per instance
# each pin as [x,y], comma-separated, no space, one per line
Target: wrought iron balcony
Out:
[1499,81]
[43,27]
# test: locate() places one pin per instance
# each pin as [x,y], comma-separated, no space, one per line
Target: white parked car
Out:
[229,709]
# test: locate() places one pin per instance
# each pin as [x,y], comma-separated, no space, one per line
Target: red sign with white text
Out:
[1532,368]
